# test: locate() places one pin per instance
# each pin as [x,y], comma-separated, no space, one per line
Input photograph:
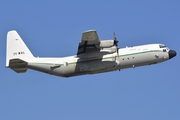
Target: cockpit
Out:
[171,53]
[162,46]
[165,49]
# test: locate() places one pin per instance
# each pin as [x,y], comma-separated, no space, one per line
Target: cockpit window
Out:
[162,46]
[164,50]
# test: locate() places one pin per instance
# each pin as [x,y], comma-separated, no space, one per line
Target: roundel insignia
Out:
[66,64]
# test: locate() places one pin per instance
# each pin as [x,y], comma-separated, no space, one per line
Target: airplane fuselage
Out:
[129,57]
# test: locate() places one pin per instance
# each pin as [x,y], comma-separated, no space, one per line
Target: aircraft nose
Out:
[172,54]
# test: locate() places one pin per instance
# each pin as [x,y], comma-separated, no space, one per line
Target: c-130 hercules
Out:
[93,56]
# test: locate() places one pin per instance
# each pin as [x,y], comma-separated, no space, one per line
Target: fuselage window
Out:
[164,50]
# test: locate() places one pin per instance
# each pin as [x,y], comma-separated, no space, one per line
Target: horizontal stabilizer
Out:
[18,65]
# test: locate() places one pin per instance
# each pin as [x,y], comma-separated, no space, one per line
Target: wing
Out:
[89,42]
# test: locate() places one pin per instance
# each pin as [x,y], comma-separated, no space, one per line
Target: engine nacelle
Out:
[106,44]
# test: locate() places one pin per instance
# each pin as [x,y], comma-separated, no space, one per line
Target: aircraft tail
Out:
[17,53]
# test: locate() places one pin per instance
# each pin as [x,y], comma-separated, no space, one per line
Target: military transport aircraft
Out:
[93,56]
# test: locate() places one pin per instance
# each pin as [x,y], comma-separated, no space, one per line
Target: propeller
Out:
[115,40]
[116,44]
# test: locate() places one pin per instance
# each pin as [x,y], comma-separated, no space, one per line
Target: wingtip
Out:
[12,31]
[90,30]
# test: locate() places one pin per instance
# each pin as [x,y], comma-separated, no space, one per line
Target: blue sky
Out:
[54,28]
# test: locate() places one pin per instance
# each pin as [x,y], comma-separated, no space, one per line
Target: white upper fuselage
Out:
[128,57]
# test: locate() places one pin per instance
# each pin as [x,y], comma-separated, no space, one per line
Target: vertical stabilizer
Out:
[16,48]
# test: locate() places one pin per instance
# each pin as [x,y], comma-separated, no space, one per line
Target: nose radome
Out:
[172,54]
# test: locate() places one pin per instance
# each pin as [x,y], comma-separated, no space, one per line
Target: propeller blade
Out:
[116,44]
[115,40]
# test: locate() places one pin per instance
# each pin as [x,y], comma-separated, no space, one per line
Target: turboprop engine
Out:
[105,44]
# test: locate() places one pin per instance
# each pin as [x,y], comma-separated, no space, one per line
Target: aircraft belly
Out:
[55,70]
[101,66]
[39,67]
[67,70]
[93,66]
